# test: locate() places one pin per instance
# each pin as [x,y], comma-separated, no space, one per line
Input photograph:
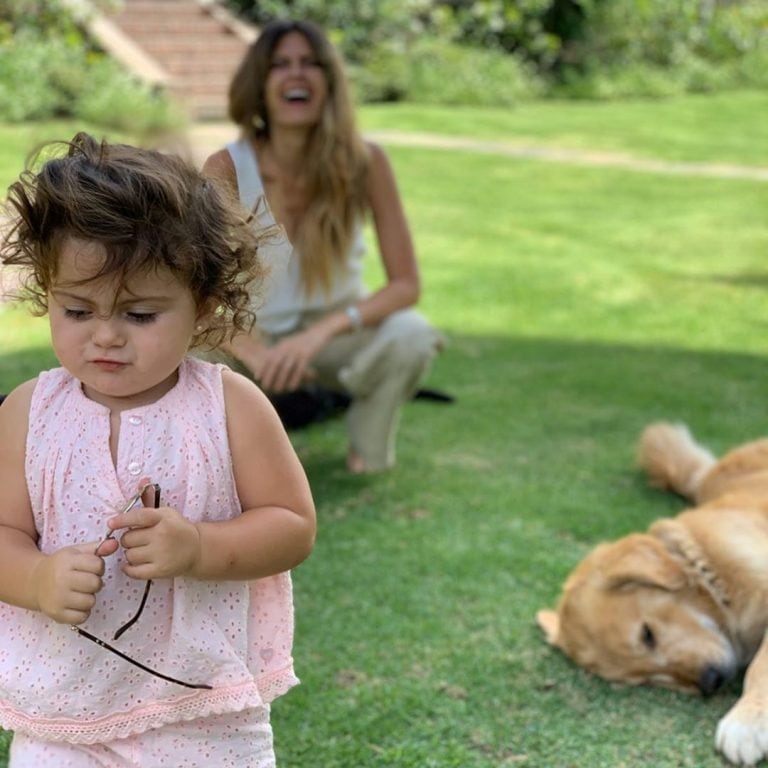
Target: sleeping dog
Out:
[685,604]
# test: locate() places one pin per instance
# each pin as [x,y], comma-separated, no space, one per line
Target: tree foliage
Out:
[534,29]
[48,68]
[559,37]
[479,52]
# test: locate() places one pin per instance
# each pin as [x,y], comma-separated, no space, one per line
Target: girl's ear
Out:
[204,313]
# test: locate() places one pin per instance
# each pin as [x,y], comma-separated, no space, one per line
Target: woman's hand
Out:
[288,364]
[284,366]
[66,582]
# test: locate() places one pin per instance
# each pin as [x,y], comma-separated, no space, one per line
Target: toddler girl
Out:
[136,257]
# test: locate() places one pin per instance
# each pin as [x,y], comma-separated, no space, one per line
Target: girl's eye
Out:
[141,317]
[76,314]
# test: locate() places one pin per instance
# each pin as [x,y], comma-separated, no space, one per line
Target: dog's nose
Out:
[711,680]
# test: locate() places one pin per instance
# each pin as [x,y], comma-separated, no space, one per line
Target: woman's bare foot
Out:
[355,464]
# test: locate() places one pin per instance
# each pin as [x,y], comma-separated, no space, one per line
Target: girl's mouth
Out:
[108,365]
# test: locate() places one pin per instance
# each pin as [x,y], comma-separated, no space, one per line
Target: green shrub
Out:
[358,28]
[690,74]
[737,30]
[585,48]
[637,80]
[38,77]
[446,73]
[752,69]
[48,18]
[435,71]
[662,47]
[49,70]
[115,99]
[383,77]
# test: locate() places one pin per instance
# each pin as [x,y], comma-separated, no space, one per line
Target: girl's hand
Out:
[159,543]
[67,581]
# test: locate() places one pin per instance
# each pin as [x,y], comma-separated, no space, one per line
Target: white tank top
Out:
[282,300]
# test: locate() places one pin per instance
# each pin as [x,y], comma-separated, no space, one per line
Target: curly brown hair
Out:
[149,210]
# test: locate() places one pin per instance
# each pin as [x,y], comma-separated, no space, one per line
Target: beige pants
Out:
[380,368]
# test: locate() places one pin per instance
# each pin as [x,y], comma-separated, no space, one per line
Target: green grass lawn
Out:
[580,304]
[18,142]
[727,128]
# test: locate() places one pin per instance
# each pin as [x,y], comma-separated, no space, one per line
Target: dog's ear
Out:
[549,621]
[642,560]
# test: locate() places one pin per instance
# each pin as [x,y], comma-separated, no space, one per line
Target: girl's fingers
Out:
[138,554]
[144,517]
[70,616]
[83,596]
[144,572]
[107,547]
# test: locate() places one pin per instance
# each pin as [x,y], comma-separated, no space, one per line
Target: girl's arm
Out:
[276,529]
[18,537]
[63,584]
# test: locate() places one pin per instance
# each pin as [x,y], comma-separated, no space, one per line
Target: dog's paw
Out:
[742,735]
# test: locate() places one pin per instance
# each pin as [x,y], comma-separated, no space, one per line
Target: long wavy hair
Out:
[336,158]
[149,211]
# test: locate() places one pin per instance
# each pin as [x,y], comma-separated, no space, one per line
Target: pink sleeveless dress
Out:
[235,636]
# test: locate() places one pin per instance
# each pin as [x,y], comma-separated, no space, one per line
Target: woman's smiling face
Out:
[297,85]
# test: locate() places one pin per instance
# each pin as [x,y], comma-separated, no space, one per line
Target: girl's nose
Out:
[107,333]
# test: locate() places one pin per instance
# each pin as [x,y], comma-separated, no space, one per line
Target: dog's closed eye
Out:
[647,637]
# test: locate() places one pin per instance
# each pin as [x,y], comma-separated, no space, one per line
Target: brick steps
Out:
[212,48]
[196,42]
[200,71]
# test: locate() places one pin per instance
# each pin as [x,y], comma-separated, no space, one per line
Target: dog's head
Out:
[630,612]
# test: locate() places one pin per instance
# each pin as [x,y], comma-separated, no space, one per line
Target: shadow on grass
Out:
[527,406]
[416,610]
[757,280]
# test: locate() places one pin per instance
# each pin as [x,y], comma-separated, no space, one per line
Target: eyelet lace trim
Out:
[199,704]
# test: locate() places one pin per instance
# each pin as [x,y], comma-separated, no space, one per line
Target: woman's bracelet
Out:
[353,313]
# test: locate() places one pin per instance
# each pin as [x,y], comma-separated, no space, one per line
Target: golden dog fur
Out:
[684,605]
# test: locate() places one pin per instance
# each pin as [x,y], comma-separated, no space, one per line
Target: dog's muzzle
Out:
[713,678]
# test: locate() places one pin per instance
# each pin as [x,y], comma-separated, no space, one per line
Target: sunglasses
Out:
[130,504]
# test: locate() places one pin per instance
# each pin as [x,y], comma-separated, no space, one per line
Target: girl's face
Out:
[296,87]
[123,344]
